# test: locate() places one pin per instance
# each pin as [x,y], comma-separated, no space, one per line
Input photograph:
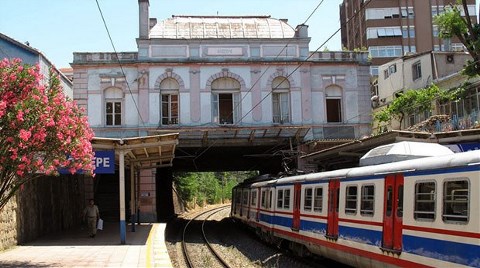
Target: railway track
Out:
[186,231]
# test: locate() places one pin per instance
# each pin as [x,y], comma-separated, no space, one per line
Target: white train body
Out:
[422,212]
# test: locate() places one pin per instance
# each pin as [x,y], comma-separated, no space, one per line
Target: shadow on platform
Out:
[110,235]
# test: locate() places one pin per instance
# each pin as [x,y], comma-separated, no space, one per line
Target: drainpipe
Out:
[123,232]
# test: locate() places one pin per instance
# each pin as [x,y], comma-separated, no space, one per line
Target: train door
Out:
[393,213]
[234,202]
[297,190]
[332,218]
[244,206]
[249,206]
[259,203]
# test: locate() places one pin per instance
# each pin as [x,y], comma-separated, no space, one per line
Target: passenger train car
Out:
[403,206]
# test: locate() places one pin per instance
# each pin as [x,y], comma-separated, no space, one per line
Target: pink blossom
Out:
[25,134]
[20,116]
[59,125]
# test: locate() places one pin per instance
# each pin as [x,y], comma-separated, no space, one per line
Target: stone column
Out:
[143,94]
[195,112]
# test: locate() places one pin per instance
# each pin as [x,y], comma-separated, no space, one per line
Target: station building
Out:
[230,86]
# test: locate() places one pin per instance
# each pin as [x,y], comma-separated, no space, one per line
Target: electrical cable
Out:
[259,78]
[119,63]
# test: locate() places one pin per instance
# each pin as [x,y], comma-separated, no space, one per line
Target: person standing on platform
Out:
[91,214]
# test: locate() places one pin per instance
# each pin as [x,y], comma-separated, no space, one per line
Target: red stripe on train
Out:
[343,248]
[441,231]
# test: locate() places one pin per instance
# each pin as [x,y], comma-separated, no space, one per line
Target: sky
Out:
[60,27]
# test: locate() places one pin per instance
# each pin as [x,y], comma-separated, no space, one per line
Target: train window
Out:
[264,198]
[400,202]
[280,199]
[337,204]
[307,199]
[283,198]
[286,200]
[245,198]
[368,199]
[425,196]
[389,197]
[238,196]
[253,202]
[318,200]
[455,201]
[269,199]
[351,200]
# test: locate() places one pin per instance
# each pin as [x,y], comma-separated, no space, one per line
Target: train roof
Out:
[425,163]
[402,151]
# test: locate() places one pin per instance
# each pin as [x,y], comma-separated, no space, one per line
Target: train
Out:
[407,204]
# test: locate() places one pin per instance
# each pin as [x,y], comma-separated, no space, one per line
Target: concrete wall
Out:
[42,206]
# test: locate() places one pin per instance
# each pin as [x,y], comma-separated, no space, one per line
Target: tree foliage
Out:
[39,127]
[412,101]
[208,187]
[451,23]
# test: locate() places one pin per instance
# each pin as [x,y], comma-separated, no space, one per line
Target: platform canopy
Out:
[142,152]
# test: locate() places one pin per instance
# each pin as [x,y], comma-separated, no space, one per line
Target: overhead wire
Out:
[311,54]
[258,79]
[119,63]
[286,78]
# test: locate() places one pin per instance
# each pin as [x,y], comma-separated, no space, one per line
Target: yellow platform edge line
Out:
[149,246]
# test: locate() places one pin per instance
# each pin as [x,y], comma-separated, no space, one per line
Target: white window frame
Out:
[283,198]
[349,198]
[421,197]
[318,199]
[280,100]
[234,92]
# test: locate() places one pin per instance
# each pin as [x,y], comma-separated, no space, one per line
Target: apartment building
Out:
[393,28]
[421,70]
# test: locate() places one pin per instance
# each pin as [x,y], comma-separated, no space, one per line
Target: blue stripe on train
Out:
[460,253]
[369,237]
[313,226]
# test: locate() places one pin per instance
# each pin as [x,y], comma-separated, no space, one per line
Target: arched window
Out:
[334,104]
[113,106]
[169,97]
[281,100]
[225,100]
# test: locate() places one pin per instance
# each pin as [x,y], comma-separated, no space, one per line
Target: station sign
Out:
[104,162]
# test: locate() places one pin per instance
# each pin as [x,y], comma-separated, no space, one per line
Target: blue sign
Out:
[104,162]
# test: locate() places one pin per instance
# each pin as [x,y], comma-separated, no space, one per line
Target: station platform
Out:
[143,248]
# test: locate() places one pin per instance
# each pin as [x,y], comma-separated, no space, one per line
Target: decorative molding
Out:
[170,74]
[281,72]
[194,71]
[225,74]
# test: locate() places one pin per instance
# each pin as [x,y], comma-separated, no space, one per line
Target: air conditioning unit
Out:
[450,58]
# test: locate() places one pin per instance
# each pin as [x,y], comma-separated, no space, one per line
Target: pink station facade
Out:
[196,72]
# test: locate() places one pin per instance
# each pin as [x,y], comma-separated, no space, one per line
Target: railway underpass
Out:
[228,149]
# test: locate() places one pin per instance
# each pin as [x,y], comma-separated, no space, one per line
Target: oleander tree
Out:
[451,23]
[41,130]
